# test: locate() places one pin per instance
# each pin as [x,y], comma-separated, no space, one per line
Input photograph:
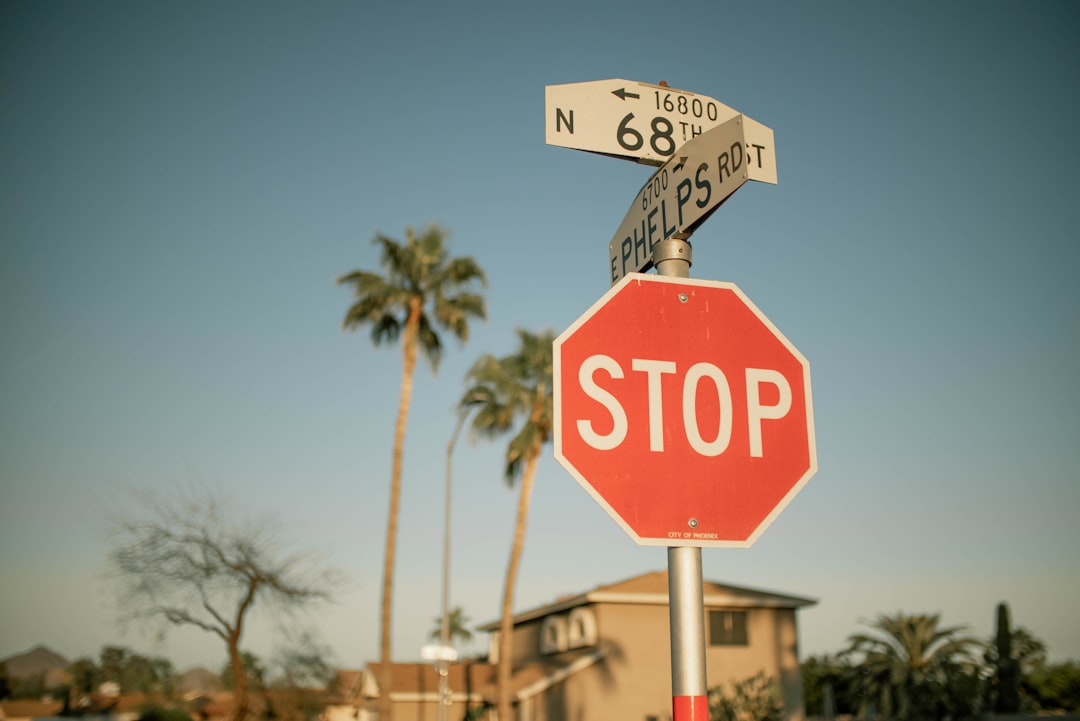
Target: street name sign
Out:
[628,119]
[683,411]
[686,189]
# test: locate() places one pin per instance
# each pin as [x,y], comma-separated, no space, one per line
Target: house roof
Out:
[215,704]
[539,675]
[476,679]
[29,708]
[346,688]
[108,704]
[38,660]
[652,589]
[412,680]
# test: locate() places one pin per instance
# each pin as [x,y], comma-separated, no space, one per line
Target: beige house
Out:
[603,654]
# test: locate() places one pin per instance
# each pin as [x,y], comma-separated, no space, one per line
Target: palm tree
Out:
[503,390]
[912,667]
[457,626]
[423,289]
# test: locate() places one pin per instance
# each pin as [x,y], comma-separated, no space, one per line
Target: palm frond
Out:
[491,420]
[363,281]
[511,389]
[465,270]
[386,328]
[395,258]
[454,312]
[369,309]
[430,343]
[521,449]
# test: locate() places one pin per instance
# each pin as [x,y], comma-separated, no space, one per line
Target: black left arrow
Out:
[621,94]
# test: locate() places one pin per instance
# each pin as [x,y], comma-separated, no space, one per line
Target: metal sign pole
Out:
[689,695]
[686,598]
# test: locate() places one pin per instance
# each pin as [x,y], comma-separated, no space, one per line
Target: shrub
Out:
[753,699]
[155,712]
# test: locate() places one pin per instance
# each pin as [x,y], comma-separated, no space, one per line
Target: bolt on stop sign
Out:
[683,411]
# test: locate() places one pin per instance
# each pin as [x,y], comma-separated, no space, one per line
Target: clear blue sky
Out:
[180,184]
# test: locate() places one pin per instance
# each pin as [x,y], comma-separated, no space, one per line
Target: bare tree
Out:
[185,562]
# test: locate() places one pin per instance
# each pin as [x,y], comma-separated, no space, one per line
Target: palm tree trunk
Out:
[506,626]
[386,616]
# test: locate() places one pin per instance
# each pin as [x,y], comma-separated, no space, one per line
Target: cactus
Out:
[1007,671]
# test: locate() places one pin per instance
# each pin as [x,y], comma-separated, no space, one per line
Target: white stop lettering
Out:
[654,369]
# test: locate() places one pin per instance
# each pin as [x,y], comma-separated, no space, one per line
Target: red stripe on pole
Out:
[690,708]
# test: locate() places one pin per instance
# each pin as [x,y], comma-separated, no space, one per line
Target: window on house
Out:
[727,628]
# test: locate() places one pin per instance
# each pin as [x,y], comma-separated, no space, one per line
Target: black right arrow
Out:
[621,94]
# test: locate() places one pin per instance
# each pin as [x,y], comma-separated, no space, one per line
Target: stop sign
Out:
[683,411]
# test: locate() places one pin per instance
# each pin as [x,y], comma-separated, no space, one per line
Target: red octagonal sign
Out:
[683,411]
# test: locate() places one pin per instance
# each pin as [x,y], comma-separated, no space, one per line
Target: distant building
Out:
[27,709]
[41,662]
[603,654]
[197,681]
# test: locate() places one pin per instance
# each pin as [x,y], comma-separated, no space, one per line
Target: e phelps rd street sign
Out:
[686,189]
[628,119]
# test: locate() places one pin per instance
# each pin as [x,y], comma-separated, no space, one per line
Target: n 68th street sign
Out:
[628,119]
[686,189]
